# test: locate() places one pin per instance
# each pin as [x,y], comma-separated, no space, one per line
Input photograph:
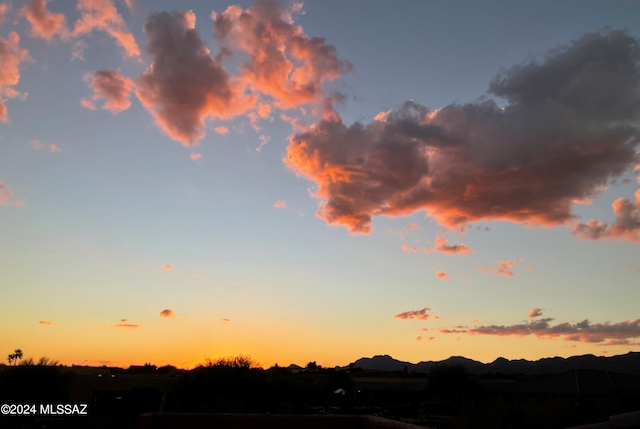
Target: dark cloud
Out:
[583,331]
[184,85]
[167,313]
[535,312]
[441,245]
[569,129]
[414,314]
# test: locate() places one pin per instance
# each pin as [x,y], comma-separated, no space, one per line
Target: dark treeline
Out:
[446,397]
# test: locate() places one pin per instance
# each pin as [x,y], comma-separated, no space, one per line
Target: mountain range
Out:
[627,363]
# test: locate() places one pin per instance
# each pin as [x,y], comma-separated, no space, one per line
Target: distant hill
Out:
[628,363]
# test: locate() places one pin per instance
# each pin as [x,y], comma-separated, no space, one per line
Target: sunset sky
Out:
[318,181]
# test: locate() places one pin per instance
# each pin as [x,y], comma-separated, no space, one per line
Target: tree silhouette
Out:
[17,354]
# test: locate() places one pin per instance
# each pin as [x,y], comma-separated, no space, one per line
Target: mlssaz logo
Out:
[64,409]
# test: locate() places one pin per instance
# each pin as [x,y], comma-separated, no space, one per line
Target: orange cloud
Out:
[46,322]
[412,226]
[167,267]
[284,63]
[225,320]
[504,268]
[195,156]
[87,104]
[102,15]
[626,226]
[11,56]
[414,314]
[3,11]
[419,338]
[525,163]
[44,24]
[442,246]
[221,130]
[535,312]
[53,148]
[442,275]
[167,313]
[184,85]
[110,85]
[280,204]
[584,331]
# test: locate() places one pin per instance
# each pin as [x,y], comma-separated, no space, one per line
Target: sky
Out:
[318,181]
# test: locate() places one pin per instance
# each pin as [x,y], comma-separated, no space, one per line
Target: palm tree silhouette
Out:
[17,354]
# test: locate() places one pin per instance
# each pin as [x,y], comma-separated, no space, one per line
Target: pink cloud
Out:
[46,322]
[414,314]
[442,275]
[584,331]
[36,144]
[442,246]
[525,163]
[264,140]
[167,313]
[195,156]
[53,148]
[626,226]
[280,204]
[112,86]
[11,56]
[221,130]
[409,249]
[412,226]
[6,196]
[44,24]
[503,269]
[87,104]
[3,10]
[283,62]
[535,312]
[184,85]
[168,267]
[102,15]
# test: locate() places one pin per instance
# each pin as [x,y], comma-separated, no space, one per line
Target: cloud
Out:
[584,331]
[124,324]
[283,62]
[78,50]
[167,313]
[535,312]
[443,276]
[625,227]
[45,322]
[280,204]
[419,338]
[195,156]
[110,85]
[221,130]
[264,140]
[568,129]
[412,226]
[53,148]
[167,267]
[87,104]
[3,11]
[634,267]
[184,85]
[408,249]
[6,196]
[225,320]
[414,314]
[44,24]
[11,56]
[442,246]
[503,269]
[102,15]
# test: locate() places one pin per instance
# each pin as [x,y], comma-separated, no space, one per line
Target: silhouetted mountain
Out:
[628,363]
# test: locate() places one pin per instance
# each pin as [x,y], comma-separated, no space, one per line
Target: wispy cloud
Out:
[167,267]
[6,196]
[281,204]
[409,249]
[46,322]
[414,314]
[125,324]
[504,268]
[441,245]
[195,156]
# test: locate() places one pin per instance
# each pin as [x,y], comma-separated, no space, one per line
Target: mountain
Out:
[628,363]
